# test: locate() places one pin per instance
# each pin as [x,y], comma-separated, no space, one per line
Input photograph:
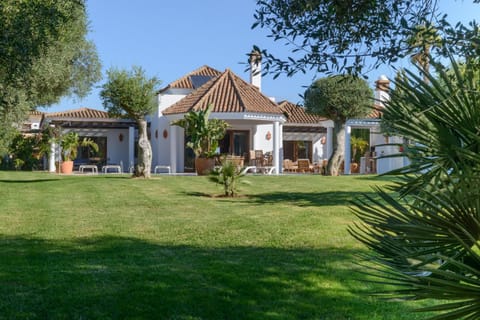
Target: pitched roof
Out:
[186,82]
[86,118]
[227,93]
[83,113]
[297,114]
[35,113]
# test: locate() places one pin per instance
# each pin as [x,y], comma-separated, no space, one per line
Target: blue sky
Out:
[172,38]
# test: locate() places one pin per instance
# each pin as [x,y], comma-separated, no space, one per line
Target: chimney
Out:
[256,69]
[382,91]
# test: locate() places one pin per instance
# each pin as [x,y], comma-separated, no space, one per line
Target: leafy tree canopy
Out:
[339,98]
[44,55]
[129,94]
[338,36]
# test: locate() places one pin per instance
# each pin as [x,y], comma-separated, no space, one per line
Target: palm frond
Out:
[424,231]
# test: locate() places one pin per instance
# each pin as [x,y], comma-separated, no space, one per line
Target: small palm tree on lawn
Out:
[229,176]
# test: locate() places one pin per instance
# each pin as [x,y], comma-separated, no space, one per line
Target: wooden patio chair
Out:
[288,166]
[304,166]
[259,158]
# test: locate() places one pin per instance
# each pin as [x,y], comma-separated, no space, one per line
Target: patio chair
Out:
[289,166]
[251,158]
[304,166]
[236,160]
[259,158]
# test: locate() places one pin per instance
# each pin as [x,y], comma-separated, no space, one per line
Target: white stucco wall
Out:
[159,123]
[376,138]
[389,164]
[117,151]
[260,141]
[160,143]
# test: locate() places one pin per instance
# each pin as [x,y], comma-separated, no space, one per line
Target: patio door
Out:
[87,155]
[295,150]
[189,157]
[235,142]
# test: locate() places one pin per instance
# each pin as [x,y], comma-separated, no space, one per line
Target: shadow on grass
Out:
[305,199]
[118,278]
[28,181]
[376,177]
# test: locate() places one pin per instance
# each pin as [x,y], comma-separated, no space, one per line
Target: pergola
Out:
[370,124]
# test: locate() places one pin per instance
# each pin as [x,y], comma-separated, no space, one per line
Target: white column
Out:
[329,142]
[348,131]
[281,148]
[131,146]
[173,149]
[51,157]
[276,146]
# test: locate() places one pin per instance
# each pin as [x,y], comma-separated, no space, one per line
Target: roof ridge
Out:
[76,111]
[237,90]
[229,93]
[207,89]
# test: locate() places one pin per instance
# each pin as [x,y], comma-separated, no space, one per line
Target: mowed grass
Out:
[111,247]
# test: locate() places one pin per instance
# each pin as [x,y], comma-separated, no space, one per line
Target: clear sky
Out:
[171,38]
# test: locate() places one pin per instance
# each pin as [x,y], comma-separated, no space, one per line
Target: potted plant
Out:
[359,146]
[204,134]
[69,144]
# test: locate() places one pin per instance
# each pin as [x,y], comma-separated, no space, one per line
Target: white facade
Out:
[384,147]
[168,145]
[168,141]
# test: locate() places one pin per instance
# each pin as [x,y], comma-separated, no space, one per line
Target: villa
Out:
[256,123]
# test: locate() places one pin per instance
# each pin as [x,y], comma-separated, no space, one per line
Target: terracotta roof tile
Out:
[84,113]
[227,93]
[297,114]
[185,82]
[376,113]
[35,113]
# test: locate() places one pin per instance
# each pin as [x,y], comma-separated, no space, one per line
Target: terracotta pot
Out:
[354,168]
[66,167]
[203,166]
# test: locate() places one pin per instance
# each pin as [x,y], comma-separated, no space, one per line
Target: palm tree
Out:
[427,237]
[420,43]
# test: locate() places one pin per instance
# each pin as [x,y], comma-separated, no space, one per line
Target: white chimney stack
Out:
[256,69]
[382,89]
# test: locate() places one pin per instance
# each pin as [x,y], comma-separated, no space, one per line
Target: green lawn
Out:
[111,247]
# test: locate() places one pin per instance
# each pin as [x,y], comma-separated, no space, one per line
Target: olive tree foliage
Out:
[44,55]
[426,236]
[339,98]
[338,36]
[131,94]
